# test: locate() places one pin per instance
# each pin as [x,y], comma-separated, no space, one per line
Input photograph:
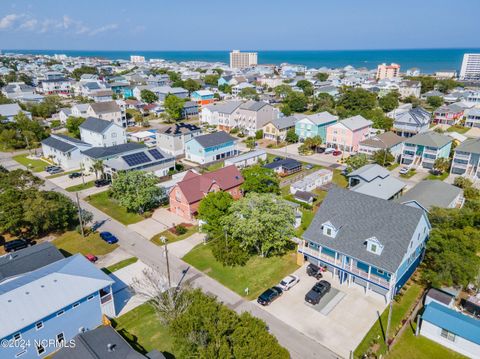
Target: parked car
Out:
[314,271]
[288,282]
[317,292]
[269,295]
[92,258]
[108,237]
[51,169]
[16,245]
[277,159]
[329,150]
[320,149]
[336,153]
[435,172]
[74,175]
[102,182]
[308,167]
[403,170]
[55,171]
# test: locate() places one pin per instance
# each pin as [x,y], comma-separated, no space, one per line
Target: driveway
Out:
[412,181]
[161,220]
[316,159]
[339,322]
[64,181]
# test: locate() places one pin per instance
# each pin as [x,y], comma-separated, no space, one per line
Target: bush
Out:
[270,145]
[229,253]
[259,135]
[180,229]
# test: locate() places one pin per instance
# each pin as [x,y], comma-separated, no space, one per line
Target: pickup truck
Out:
[317,292]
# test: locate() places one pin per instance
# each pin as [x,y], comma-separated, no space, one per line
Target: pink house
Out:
[346,135]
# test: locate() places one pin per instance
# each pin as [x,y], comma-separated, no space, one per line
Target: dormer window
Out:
[374,246]
[329,229]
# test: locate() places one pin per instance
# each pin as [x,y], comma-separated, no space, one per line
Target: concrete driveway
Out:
[339,322]
[65,182]
[161,220]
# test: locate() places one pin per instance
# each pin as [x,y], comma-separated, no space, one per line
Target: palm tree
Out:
[97,166]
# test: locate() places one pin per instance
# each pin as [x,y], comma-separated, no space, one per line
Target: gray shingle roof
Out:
[284,122]
[360,217]
[105,152]
[430,139]
[431,194]
[105,107]
[417,116]
[214,139]
[388,139]
[224,107]
[71,139]
[253,105]
[356,122]
[95,124]
[472,145]
[58,144]
[370,172]
[318,118]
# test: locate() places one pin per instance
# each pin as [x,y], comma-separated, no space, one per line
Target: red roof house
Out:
[186,195]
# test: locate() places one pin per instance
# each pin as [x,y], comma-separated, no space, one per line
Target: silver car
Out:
[288,282]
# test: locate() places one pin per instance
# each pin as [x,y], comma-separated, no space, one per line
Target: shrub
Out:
[180,229]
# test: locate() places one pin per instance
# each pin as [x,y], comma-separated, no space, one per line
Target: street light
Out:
[163,239]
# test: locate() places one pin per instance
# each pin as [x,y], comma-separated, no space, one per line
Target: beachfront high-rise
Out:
[137,59]
[470,67]
[240,60]
[385,71]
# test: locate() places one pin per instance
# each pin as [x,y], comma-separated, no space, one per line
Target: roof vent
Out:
[111,347]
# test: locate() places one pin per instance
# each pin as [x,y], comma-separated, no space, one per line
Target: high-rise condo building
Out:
[385,71]
[470,67]
[239,60]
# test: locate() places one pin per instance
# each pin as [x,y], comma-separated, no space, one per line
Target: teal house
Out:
[309,126]
[424,148]
[211,147]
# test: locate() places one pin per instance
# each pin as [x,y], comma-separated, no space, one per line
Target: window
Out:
[40,349]
[329,231]
[90,297]
[75,305]
[60,313]
[39,325]
[60,338]
[447,335]
[373,248]
[17,336]
[379,271]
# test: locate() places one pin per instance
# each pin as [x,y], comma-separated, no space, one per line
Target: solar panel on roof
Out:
[136,159]
[156,154]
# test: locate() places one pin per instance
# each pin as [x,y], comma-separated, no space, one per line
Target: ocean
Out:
[427,60]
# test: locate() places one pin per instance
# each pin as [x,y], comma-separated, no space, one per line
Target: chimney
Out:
[110,347]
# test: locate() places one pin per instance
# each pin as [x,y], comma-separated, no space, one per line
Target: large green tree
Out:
[211,80]
[78,72]
[260,179]
[73,125]
[355,100]
[356,161]
[321,76]
[435,101]
[174,107]
[212,208]
[389,102]
[383,157]
[148,96]
[306,87]
[296,101]
[191,85]
[137,191]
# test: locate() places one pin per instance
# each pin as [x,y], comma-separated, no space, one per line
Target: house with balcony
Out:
[366,241]
[109,111]
[472,117]
[211,147]
[347,134]
[384,141]
[423,149]
[102,133]
[221,114]
[448,114]
[172,139]
[65,151]
[466,159]
[53,303]
[203,97]
[308,126]
[276,130]
[408,122]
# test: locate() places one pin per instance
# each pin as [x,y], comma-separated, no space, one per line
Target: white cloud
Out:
[8,21]
[29,24]
[103,29]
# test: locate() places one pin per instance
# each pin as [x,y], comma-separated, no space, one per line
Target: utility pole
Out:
[164,241]
[80,215]
[392,295]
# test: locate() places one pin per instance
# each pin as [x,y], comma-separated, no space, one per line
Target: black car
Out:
[102,182]
[16,245]
[314,271]
[74,175]
[269,295]
[317,292]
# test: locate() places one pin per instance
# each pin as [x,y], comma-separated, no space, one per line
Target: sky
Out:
[247,25]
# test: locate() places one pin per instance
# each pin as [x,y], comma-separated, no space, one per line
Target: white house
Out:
[109,111]
[247,159]
[102,133]
[63,150]
[312,181]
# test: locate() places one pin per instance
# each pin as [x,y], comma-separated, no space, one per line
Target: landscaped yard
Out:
[458,129]
[393,166]
[112,208]
[214,166]
[80,187]
[257,275]
[33,164]
[144,331]
[72,242]
[400,310]
[307,217]
[120,265]
[440,177]
[409,174]
[339,179]
[171,237]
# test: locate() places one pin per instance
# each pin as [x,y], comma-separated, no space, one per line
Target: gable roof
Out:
[284,122]
[104,152]
[224,107]
[58,144]
[383,140]
[9,109]
[253,105]
[356,122]
[360,217]
[431,194]
[194,187]
[457,323]
[95,124]
[105,107]
[370,172]
[287,163]
[417,116]
[430,139]
[70,139]
[318,118]
[471,145]
[213,139]
[32,296]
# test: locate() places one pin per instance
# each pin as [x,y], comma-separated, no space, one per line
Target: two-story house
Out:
[102,133]
[366,241]
[308,126]
[411,121]
[59,86]
[220,114]
[65,151]
[466,159]
[423,149]
[186,195]
[211,147]
[52,304]
[277,129]
[472,117]
[409,88]
[347,134]
[203,97]
[448,114]
[109,111]
[251,116]
[172,139]
[384,141]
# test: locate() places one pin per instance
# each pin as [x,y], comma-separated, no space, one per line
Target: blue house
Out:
[211,147]
[424,148]
[366,241]
[309,126]
[50,305]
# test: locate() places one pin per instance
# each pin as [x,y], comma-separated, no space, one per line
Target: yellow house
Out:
[277,129]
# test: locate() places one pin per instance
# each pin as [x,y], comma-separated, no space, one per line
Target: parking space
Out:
[339,321]
[65,181]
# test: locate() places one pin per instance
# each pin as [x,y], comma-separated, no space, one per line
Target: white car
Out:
[329,150]
[288,282]
[404,170]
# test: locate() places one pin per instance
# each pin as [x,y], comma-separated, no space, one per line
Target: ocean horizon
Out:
[427,60]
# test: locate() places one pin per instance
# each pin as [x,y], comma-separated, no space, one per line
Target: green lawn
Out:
[439,177]
[72,242]
[307,217]
[400,311]
[173,237]
[257,275]
[214,166]
[111,207]
[412,347]
[61,174]
[409,174]
[80,187]
[144,331]
[458,129]
[33,165]
[339,179]
[120,265]
[393,166]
